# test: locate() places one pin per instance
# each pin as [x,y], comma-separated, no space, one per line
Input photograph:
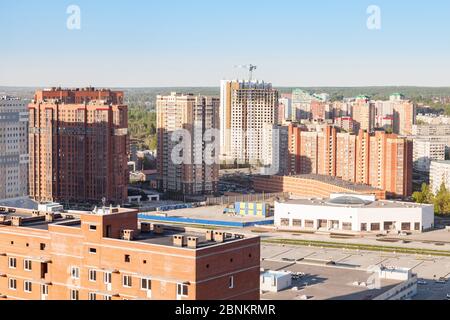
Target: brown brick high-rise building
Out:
[78,146]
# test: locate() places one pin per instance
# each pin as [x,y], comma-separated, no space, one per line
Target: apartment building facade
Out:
[247,107]
[439,174]
[197,172]
[275,149]
[426,150]
[363,114]
[107,254]
[404,115]
[14,156]
[379,159]
[78,144]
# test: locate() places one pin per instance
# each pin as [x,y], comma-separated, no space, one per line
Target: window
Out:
[27,286]
[285,222]
[309,224]
[231,282]
[12,263]
[106,297]
[146,284]
[12,284]
[75,272]
[42,246]
[417,226]
[92,275]
[92,250]
[363,226]
[27,265]
[92,227]
[74,295]
[406,226]
[126,281]
[347,226]
[127,258]
[44,289]
[107,277]
[297,223]
[375,227]
[92,296]
[182,290]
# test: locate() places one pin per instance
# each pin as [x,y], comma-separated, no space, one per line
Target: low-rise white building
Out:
[275,281]
[353,213]
[439,173]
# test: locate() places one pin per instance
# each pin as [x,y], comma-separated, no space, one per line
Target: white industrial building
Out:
[439,173]
[353,213]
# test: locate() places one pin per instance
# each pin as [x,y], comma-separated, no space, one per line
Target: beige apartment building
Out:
[363,114]
[196,172]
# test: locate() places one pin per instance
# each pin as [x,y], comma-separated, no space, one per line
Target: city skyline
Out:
[306,44]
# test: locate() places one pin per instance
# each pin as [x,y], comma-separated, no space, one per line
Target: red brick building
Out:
[105,255]
[78,145]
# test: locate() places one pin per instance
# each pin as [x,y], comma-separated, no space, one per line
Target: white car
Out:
[421,282]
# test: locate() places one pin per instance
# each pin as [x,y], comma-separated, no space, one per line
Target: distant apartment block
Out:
[78,143]
[363,114]
[404,112]
[284,110]
[439,174]
[245,108]
[275,149]
[427,150]
[107,254]
[344,123]
[13,148]
[380,160]
[198,171]
[431,130]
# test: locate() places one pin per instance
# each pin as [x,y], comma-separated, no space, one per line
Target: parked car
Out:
[421,282]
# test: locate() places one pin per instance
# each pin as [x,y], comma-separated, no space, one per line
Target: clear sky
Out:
[146,43]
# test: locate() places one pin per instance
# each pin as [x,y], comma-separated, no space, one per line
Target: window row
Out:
[27,264]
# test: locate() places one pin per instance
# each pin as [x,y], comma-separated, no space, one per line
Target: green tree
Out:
[442,201]
[424,195]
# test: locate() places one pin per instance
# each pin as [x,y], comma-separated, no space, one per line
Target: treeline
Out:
[142,127]
[440,200]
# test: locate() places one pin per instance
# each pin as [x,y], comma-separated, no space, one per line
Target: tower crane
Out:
[250,68]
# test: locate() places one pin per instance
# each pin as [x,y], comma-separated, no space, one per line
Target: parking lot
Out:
[330,271]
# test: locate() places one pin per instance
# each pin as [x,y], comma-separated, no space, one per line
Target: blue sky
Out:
[197,42]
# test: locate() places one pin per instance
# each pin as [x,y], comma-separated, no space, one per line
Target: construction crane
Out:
[250,68]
